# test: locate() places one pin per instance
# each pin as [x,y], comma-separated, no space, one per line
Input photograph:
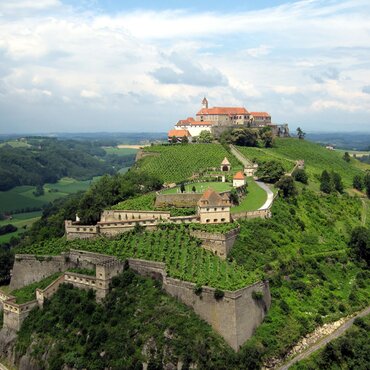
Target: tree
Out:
[270,171]
[301,176]
[268,138]
[367,183]
[173,139]
[184,140]
[244,137]
[182,188]
[337,182]
[346,157]
[39,191]
[194,189]
[360,243]
[205,137]
[300,133]
[287,187]
[358,182]
[326,184]
[234,197]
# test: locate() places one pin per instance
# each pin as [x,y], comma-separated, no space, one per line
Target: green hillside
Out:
[175,163]
[316,157]
[137,323]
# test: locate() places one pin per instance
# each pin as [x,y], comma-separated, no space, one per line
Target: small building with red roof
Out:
[238,179]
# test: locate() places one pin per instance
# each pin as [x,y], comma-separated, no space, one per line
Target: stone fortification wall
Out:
[219,244]
[123,215]
[263,213]
[28,269]
[180,200]
[42,294]
[76,231]
[15,314]
[235,317]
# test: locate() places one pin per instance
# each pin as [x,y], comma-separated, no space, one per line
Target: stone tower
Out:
[205,103]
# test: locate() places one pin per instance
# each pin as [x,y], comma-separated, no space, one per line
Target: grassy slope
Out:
[202,187]
[120,151]
[303,252]
[316,157]
[255,198]
[176,163]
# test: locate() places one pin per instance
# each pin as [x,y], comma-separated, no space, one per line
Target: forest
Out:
[46,160]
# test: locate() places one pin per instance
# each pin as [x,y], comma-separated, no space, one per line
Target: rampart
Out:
[262,213]
[218,243]
[235,316]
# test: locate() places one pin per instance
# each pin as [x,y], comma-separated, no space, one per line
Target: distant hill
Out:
[342,140]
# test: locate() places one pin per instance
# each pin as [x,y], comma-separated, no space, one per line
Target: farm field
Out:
[120,151]
[176,163]
[21,197]
[316,157]
[184,257]
[22,221]
[255,198]
[201,187]
[15,144]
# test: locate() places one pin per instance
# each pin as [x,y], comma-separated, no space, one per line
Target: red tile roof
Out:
[239,176]
[210,199]
[260,114]
[223,111]
[178,133]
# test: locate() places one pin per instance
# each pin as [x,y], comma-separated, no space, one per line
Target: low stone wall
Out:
[50,290]
[218,243]
[263,213]
[127,215]
[181,200]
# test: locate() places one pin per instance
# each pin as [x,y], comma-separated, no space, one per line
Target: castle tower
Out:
[205,103]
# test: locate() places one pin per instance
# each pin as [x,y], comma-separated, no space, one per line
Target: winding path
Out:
[323,342]
[270,195]
[3,367]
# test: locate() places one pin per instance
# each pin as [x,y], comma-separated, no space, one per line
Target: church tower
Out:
[205,103]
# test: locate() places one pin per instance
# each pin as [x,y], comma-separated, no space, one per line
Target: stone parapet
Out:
[263,213]
[218,243]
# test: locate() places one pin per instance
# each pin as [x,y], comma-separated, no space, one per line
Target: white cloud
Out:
[135,63]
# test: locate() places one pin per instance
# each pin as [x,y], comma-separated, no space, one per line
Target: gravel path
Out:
[270,195]
[323,342]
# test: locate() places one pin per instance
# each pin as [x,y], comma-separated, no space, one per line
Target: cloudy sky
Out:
[109,65]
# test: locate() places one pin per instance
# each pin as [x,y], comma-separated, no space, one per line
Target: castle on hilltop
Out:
[218,119]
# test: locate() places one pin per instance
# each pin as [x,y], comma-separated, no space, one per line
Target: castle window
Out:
[215,209]
[215,220]
[207,209]
[222,219]
[222,208]
[78,229]
[207,220]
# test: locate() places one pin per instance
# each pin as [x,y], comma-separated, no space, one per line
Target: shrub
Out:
[218,294]
[257,296]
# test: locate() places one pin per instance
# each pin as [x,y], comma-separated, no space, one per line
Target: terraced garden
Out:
[173,245]
[175,163]
[201,187]
[255,198]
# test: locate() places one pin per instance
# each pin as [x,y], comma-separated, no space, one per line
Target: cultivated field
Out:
[177,163]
